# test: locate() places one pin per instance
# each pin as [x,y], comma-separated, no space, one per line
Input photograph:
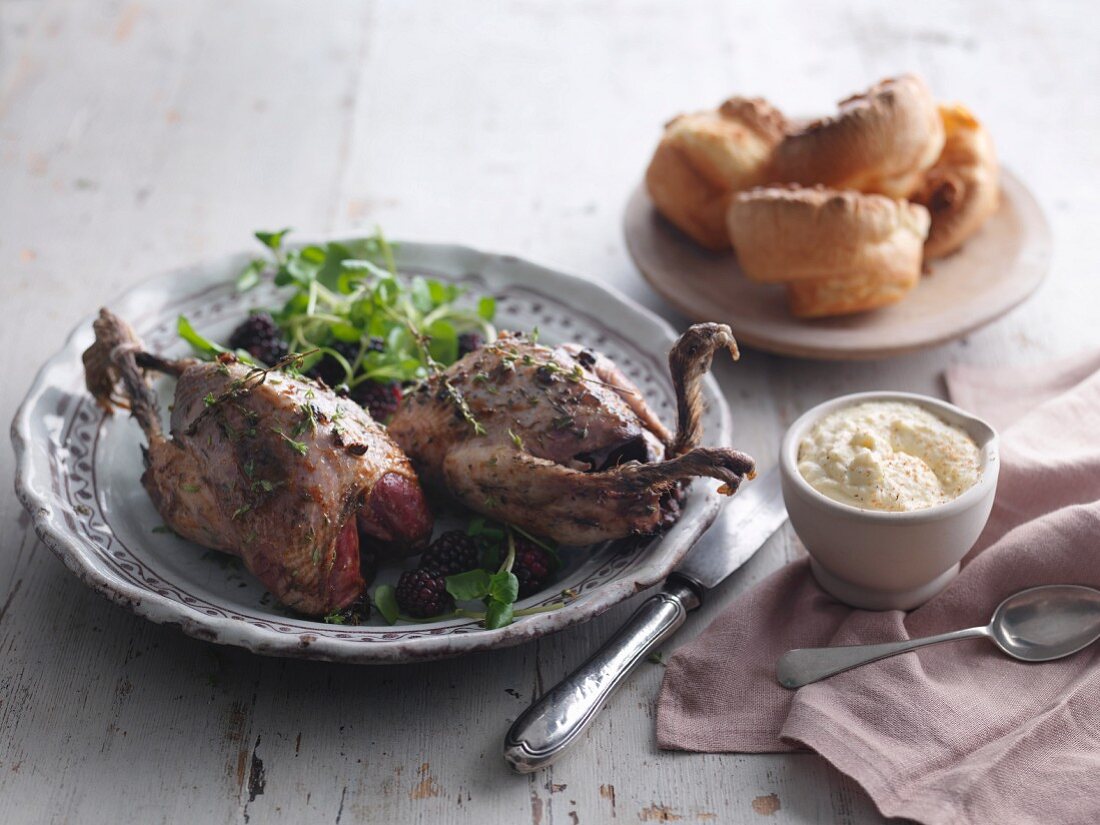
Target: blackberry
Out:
[380,400]
[533,566]
[453,552]
[331,371]
[259,336]
[468,342]
[423,594]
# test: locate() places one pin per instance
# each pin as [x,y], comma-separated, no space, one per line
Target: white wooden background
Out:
[136,136]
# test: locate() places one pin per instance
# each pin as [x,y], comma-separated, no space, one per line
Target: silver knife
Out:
[557,719]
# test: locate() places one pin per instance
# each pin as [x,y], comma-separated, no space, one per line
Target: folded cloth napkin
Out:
[958,732]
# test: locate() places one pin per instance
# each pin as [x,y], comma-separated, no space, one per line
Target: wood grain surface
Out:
[137,136]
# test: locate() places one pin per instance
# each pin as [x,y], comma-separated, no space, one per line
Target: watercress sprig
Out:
[349,296]
[351,293]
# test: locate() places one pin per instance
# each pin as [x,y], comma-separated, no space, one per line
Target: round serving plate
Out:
[995,270]
[78,470]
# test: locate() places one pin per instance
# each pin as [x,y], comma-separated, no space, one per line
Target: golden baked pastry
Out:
[882,140]
[837,252]
[706,156]
[962,189]
[825,297]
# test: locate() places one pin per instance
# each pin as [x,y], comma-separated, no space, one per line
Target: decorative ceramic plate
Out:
[78,471]
[994,271]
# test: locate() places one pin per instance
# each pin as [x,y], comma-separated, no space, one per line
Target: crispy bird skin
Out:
[560,443]
[273,468]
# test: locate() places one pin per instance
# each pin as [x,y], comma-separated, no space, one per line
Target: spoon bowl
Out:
[1045,623]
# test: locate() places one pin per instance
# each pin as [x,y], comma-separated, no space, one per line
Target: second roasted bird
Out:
[559,442]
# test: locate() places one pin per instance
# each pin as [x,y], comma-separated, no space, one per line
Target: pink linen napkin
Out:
[958,732]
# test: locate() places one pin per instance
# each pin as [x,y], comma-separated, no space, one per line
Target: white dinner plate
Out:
[78,471]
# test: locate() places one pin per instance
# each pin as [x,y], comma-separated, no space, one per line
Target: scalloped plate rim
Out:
[658,560]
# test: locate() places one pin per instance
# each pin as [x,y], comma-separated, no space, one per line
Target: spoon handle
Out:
[796,668]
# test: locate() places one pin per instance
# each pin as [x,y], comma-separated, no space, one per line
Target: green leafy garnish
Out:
[504,586]
[465,587]
[272,240]
[498,590]
[498,614]
[385,599]
[351,293]
[201,346]
[250,275]
[204,347]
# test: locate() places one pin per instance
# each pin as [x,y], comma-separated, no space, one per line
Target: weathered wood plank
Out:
[139,136]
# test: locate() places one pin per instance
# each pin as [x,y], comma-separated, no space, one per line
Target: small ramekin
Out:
[882,560]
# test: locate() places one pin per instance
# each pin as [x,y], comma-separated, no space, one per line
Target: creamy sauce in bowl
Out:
[893,456]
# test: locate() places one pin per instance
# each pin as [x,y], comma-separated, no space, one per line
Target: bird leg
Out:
[689,361]
[580,507]
[112,373]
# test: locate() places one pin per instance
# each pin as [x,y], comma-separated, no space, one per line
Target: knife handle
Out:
[546,729]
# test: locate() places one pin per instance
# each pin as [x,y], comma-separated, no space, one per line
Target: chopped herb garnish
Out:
[300,446]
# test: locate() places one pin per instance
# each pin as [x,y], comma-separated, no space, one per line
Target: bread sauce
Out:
[888,455]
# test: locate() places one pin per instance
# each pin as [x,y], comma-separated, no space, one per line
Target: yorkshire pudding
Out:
[705,157]
[961,190]
[880,141]
[837,252]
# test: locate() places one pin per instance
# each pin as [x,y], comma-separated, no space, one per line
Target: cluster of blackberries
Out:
[422,593]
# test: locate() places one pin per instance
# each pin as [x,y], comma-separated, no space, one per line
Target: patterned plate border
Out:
[70,517]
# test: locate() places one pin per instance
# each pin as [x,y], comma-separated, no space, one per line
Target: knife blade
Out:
[744,524]
[546,730]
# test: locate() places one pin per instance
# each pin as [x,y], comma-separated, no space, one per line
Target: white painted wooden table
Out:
[140,136]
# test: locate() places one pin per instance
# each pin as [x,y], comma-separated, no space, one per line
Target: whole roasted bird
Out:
[267,466]
[559,442]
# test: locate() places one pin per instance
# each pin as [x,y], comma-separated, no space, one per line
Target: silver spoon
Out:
[1034,625]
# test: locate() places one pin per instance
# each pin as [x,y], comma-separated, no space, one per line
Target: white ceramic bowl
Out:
[887,560]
